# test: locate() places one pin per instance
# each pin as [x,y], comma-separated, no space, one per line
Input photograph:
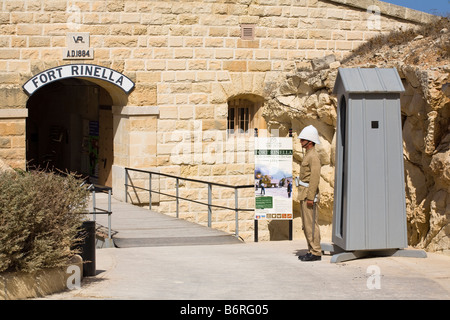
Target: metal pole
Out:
[109,227]
[149,191]
[126,184]
[93,203]
[209,204]
[109,215]
[256,221]
[236,212]
[177,184]
[109,200]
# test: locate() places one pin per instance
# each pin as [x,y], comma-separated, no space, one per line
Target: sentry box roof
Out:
[369,80]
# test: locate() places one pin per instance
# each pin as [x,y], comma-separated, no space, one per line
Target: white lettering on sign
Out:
[78,70]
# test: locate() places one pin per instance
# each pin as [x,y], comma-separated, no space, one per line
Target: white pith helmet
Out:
[310,133]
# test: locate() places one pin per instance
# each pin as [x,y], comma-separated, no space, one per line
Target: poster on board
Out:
[273,178]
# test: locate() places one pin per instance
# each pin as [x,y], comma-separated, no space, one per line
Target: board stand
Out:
[340,255]
[256,230]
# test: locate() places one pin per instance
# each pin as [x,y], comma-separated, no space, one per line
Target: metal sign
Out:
[78,71]
[273,178]
[78,47]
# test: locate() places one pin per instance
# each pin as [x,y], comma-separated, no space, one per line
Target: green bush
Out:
[39,219]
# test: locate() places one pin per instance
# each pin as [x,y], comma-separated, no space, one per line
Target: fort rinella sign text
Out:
[78,71]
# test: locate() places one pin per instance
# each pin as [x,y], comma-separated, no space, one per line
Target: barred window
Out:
[244,116]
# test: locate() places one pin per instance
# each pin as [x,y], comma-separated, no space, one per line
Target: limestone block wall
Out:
[12,136]
[187,59]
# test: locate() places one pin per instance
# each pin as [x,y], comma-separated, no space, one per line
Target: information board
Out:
[273,178]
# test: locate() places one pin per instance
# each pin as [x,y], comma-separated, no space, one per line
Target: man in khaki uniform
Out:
[308,192]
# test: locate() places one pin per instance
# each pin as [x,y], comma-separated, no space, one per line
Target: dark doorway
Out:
[70,128]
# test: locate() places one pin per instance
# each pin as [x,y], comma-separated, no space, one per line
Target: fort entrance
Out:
[70,121]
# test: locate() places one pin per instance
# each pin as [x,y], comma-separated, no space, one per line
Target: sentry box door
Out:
[369,193]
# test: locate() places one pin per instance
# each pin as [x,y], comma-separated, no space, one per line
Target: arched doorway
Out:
[70,122]
[70,127]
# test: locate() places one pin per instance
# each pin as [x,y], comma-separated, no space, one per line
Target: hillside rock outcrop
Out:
[421,58]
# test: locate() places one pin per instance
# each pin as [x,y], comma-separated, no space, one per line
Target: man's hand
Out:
[310,203]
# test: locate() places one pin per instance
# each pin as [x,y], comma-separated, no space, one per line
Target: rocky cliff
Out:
[422,58]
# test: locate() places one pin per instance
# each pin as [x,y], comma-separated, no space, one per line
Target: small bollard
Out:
[88,248]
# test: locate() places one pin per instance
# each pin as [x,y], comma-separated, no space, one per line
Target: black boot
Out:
[304,256]
[311,257]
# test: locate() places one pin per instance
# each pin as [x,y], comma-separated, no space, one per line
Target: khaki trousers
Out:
[311,228]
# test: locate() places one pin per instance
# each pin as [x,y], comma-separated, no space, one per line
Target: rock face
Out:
[421,58]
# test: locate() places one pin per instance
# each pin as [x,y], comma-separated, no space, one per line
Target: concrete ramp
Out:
[133,226]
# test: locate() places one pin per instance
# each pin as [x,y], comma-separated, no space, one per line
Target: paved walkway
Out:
[134,226]
[243,271]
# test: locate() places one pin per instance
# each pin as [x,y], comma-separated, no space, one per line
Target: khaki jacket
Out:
[309,173]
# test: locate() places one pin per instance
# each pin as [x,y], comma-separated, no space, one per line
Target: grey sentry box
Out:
[369,215]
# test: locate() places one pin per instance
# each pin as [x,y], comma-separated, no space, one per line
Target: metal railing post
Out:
[149,191]
[109,214]
[236,211]
[93,203]
[177,184]
[209,204]
[126,185]
[96,210]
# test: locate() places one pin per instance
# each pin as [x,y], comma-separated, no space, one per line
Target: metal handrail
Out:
[177,197]
[96,210]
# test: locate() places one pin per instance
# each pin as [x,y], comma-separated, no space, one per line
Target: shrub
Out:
[40,216]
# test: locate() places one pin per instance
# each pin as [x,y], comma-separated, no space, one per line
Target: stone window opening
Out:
[244,115]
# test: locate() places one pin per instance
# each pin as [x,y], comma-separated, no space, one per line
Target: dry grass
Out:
[398,38]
